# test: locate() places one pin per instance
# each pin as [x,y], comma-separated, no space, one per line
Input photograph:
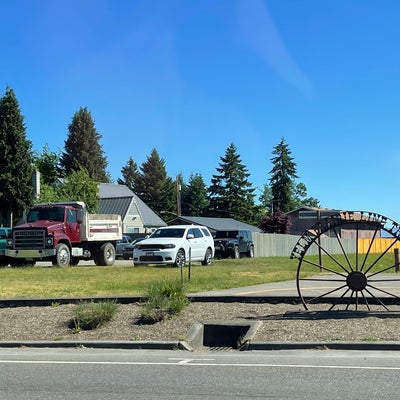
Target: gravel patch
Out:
[280,322]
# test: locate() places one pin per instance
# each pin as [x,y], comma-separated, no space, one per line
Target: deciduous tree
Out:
[48,164]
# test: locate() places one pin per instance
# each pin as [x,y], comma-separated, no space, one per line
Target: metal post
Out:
[319,242]
[190,263]
[396,260]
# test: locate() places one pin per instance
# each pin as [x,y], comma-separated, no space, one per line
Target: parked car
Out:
[174,245]
[4,234]
[233,244]
[127,252]
[121,244]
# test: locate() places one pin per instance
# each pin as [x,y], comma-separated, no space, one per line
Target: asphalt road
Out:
[56,374]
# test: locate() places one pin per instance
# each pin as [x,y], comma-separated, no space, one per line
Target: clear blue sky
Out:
[189,77]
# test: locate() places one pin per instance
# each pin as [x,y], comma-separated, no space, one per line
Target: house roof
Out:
[117,199]
[217,224]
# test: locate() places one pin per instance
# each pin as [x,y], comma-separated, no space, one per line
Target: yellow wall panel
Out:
[378,245]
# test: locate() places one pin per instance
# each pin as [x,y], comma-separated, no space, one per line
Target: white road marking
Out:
[195,363]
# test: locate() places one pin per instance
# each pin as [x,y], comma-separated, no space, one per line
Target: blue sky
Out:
[190,77]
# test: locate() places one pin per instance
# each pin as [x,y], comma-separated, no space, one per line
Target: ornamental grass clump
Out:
[91,315]
[162,300]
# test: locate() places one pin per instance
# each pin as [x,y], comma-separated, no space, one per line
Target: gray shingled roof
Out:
[116,199]
[217,224]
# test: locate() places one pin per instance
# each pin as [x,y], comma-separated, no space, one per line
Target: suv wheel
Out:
[250,253]
[207,258]
[235,252]
[180,259]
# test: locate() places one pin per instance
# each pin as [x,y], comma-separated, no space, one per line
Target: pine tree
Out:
[16,161]
[283,174]
[130,173]
[194,197]
[153,185]
[230,192]
[82,148]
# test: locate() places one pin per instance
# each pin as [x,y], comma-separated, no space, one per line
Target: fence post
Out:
[190,263]
[396,260]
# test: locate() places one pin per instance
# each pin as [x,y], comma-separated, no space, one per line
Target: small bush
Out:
[91,315]
[163,299]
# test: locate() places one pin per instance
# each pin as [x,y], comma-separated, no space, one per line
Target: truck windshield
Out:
[46,214]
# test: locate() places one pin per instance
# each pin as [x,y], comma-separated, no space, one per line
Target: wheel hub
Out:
[356,281]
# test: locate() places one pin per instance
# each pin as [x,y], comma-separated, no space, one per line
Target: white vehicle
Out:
[175,245]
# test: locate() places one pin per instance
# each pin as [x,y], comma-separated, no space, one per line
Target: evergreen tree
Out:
[300,197]
[194,197]
[82,148]
[16,161]
[48,164]
[266,199]
[230,192]
[283,174]
[130,173]
[153,185]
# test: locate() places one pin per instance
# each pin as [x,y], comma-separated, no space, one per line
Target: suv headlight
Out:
[169,246]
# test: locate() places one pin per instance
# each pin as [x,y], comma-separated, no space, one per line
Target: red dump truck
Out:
[64,233]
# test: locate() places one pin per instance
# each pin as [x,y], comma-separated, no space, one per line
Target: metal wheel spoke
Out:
[365,301]
[384,291]
[342,248]
[380,257]
[383,280]
[322,279]
[369,248]
[336,302]
[325,268]
[327,293]
[377,299]
[353,250]
[381,271]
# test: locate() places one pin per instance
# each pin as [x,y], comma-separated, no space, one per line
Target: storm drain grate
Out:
[222,335]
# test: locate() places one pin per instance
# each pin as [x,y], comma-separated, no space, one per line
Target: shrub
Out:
[163,299]
[91,315]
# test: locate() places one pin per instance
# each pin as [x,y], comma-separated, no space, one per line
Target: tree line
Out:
[74,174]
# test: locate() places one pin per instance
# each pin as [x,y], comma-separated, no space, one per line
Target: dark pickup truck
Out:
[233,243]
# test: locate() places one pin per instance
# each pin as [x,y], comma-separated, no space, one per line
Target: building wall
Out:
[132,222]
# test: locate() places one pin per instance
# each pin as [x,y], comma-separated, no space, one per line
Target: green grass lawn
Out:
[92,281]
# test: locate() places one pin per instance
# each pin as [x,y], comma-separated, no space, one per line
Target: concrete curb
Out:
[99,344]
[182,345]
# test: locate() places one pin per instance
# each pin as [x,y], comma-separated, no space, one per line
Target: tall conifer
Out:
[83,149]
[230,192]
[16,161]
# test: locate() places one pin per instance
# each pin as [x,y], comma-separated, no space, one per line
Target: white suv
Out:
[175,245]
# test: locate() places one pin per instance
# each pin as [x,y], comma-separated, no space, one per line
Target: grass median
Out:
[92,281]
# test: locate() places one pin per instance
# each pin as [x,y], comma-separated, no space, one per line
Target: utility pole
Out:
[178,196]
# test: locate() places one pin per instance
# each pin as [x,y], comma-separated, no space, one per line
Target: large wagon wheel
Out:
[353,273]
